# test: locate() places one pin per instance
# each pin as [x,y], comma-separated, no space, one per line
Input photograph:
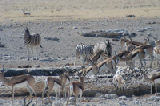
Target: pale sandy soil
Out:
[58,10]
[87,15]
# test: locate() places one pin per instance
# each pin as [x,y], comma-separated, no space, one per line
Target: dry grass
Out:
[75,9]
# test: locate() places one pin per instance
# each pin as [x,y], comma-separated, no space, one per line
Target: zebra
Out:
[104,46]
[31,41]
[87,51]
[84,51]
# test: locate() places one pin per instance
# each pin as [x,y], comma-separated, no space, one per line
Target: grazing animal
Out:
[122,54]
[154,78]
[126,42]
[31,41]
[135,43]
[107,64]
[148,49]
[95,57]
[76,88]
[156,41]
[130,48]
[123,43]
[84,51]
[53,83]
[25,80]
[65,81]
[91,70]
[156,53]
[119,81]
[134,55]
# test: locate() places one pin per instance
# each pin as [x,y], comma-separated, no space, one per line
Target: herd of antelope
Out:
[100,60]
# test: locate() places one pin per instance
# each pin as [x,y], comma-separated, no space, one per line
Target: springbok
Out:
[52,83]
[76,88]
[125,42]
[158,42]
[25,80]
[148,49]
[119,81]
[65,81]
[134,55]
[107,64]
[95,57]
[122,54]
[130,48]
[136,43]
[91,70]
[106,47]
[156,52]
[155,42]
[153,78]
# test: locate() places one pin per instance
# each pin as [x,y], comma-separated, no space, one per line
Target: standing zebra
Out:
[87,51]
[31,41]
[84,51]
[103,46]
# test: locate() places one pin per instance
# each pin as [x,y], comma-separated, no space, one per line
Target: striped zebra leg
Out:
[28,53]
[36,53]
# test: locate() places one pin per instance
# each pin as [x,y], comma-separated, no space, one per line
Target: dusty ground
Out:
[56,18]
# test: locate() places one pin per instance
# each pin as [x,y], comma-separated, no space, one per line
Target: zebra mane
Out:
[27,31]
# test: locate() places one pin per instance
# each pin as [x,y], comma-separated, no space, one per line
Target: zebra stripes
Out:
[84,51]
[31,41]
[104,46]
[87,51]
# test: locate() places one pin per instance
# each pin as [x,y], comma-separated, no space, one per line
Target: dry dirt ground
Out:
[58,18]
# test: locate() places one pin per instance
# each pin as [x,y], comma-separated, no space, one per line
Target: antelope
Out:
[95,57]
[148,49]
[158,42]
[136,43]
[115,59]
[91,70]
[65,81]
[106,64]
[52,83]
[156,52]
[25,80]
[123,42]
[130,48]
[76,88]
[119,81]
[106,47]
[128,43]
[154,78]
[155,42]
[136,54]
